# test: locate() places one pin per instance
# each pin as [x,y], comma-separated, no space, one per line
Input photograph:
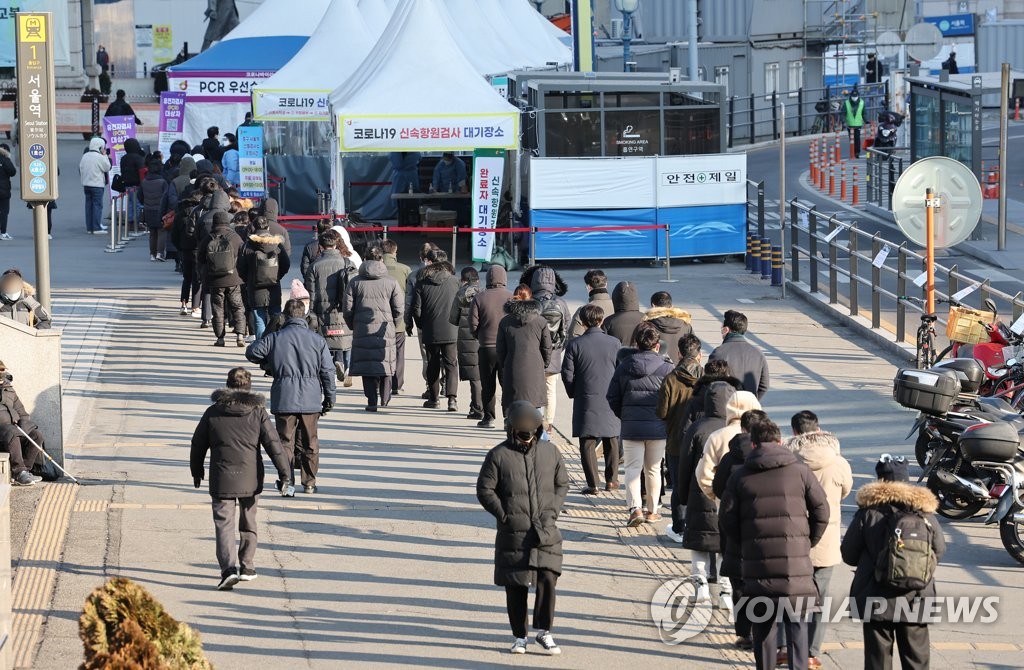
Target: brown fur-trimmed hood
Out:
[247,399]
[266,238]
[671,312]
[897,493]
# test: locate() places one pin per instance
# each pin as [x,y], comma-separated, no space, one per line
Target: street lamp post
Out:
[627,7]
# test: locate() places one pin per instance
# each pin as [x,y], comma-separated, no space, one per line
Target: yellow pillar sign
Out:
[37,125]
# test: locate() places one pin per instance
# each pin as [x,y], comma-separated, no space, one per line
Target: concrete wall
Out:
[33,358]
[6,597]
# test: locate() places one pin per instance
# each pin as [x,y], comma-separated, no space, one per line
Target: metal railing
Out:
[884,169]
[858,272]
[754,118]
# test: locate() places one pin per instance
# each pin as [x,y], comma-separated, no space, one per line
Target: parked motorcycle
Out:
[991,354]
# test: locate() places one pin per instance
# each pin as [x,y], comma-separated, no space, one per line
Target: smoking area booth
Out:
[625,167]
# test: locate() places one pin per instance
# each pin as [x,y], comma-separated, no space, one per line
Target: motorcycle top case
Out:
[969,371]
[929,391]
[997,442]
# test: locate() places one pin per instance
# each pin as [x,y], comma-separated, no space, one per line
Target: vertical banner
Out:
[488,170]
[163,43]
[583,35]
[250,162]
[37,121]
[172,120]
[117,129]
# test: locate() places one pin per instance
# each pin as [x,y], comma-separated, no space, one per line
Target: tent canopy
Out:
[281,17]
[388,104]
[298,92]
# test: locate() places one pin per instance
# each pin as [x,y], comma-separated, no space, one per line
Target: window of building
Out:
[796,77]
[722,77]
[771,79]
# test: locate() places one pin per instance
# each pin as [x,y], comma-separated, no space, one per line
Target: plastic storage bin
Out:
[996,442]
[968,325]
[969,370]
[929,391]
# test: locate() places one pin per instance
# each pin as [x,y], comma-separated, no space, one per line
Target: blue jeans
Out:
[260,318]
[93,208]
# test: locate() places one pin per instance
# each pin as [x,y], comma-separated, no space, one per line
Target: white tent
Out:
[299,90]
[377,13]
[534,44]
[218,83]
[480,40]
[526,19]
[390,105]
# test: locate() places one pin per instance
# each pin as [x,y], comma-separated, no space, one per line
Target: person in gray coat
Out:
[431,308]
[468,345]
[587,369]
[485,314]
[523,484]
[327,282]
[300,363]
[373,310]
[746,362]
[232,431]
[627,315]
[597,287]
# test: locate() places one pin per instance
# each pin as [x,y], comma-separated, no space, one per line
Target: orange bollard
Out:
[842,184]
[839,154]
[1016,109]
[832,181]
[822,169]
[856,188]
[810,163]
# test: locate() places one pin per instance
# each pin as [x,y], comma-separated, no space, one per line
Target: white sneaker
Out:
[519,646]
[6,238]
[197,313]
[724,594]
[547,643]
[703,593]
[152,258]
[50,237]
[674,536]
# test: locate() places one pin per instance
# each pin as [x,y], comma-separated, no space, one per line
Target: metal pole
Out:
[42,255]
[533,245]
[668,257]
[782,192]
[627,30]
[455,242]
[1004,111]
[930,203]
[691,38]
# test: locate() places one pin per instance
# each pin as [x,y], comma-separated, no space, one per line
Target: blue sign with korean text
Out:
[250,162]
[954,25]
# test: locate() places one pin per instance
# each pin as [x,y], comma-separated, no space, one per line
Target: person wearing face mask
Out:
[18,303]
[523,484]
[853,111]
[449,175]
[13,416]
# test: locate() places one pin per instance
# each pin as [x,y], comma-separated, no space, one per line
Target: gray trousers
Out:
[224,524]
[816,626]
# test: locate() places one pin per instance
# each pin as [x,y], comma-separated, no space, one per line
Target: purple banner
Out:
[117,129]
[172,120]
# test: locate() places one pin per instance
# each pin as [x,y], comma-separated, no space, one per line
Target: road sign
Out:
[36,108]
[888,45]
[924,41]
[959,196]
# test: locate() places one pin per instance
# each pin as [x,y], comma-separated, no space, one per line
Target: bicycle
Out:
[926,356]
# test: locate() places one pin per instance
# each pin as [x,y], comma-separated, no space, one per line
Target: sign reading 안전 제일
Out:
[37,118]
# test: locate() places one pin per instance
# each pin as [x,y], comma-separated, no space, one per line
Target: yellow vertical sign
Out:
[37,124]
[31,28]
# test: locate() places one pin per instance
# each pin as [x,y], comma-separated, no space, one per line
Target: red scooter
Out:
[989,354]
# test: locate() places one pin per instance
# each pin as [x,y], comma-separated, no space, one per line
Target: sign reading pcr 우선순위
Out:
[36,104]
[429,133]
[252,177]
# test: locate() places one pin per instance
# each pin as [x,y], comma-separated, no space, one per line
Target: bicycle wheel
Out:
[942,354]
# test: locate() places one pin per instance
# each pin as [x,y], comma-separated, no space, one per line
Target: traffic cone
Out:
[1016,109]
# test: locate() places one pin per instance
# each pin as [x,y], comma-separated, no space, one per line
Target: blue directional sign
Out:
[36,151]
[954,25]
[37,185]
[37,168]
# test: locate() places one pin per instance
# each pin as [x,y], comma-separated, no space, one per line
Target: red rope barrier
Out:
[439,229]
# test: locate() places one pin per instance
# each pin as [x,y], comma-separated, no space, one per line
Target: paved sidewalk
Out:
[391,563]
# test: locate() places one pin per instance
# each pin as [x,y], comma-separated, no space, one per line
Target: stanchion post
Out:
[113,248]
[533,245]
[668,257]
[385,233]
[455,242]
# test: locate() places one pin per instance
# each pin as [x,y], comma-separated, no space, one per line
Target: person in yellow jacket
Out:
[853,113]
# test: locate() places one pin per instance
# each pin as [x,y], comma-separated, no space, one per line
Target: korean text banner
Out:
[250,162]
[58,33]
[217,86]
[429,133]
[711,179]
[592,183]
[116,130]
[291,105]
[488,170]
[172,120]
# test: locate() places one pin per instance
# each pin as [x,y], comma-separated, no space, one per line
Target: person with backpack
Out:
[263,265]
[218,256]
[774,511]
[327,283]
[311,252]
[548,289]
[485,314]
[673,403]
[468,346]
[183,236]
[432,301]
[894,572]
[157,199]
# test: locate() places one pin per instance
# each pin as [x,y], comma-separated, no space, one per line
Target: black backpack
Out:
[907,562]
[220,258]
[190,229]
[266,270]
[552,313]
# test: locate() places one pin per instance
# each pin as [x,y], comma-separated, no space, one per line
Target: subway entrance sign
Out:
[36,108]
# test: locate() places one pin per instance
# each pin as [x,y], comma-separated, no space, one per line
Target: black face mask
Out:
[6,377]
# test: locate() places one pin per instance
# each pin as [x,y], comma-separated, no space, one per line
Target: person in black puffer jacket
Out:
[523,484]
[157,198]
[263,252]
[739,448]
[468,345]
[232,431]
[432,302]
[627,314]
[523,349]
[633,397]
[7,170]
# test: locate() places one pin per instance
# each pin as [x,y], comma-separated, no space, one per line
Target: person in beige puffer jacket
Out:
[819,450]
[717,445]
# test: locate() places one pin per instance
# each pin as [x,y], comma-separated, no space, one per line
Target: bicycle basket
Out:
[967,325]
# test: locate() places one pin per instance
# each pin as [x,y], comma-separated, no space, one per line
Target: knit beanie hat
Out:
[299,291]
[892,468]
